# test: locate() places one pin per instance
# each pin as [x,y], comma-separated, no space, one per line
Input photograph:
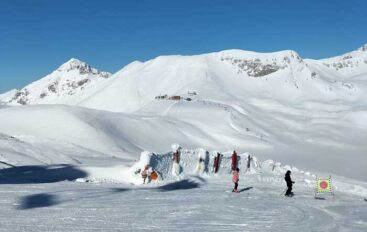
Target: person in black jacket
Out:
[289,182]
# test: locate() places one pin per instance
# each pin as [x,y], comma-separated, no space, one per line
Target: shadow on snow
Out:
[179,185]
[246,189]
[40,174]
[50,199]
[38,200]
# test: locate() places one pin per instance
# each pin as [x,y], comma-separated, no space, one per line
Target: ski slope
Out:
[325,133]
[191,202]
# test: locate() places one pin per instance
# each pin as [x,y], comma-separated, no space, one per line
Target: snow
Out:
[193,202]
[78,150]
[70,78]
[6,97]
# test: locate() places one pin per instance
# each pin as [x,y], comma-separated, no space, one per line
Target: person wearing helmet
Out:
[289,182]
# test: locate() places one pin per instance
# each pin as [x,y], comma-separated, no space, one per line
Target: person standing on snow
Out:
[146,173]
[289,182]
[235,179]
[234,160]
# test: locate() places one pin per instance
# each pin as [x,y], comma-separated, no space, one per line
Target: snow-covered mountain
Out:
[72,77]
[6,97]
[274,105]
[232,75]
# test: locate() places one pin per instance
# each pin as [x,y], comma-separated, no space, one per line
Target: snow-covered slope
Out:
[98,199]
[6,97]
[322,132]
[72,77]
[350,64]
[226,76]
[274,105]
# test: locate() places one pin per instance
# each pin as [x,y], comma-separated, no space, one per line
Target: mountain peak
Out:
[363,48]
[70,78]
[74,64]
[74,61]
[82,67]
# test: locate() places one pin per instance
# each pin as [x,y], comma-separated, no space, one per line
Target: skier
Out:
[289,182]
[234,160]
[235,179]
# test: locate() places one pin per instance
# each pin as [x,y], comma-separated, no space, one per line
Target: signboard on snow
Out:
[323,185]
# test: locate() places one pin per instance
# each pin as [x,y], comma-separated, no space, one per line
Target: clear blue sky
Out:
[37,36]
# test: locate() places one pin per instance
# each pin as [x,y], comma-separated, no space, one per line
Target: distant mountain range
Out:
[225,75]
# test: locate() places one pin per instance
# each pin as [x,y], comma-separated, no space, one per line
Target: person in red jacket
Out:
[234,160]
[235,179]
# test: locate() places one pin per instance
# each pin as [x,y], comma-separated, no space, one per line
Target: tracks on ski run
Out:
[191,205]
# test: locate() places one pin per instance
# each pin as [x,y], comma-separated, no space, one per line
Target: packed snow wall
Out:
[201,162]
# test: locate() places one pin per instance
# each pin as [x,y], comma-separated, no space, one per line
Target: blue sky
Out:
[37,36]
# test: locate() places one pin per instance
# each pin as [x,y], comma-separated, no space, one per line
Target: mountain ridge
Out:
[68,79]
[56,88]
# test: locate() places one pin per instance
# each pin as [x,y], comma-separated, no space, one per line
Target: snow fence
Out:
[190,164]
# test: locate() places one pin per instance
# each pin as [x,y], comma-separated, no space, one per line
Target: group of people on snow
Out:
[287,178]
[146,173]
[236,175]
[149,173]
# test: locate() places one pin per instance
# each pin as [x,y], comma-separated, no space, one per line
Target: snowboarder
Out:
[235,179]
[216,162]
[234,160]
[289,182]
